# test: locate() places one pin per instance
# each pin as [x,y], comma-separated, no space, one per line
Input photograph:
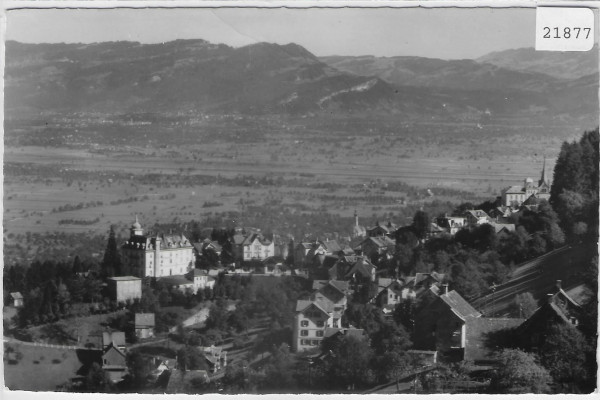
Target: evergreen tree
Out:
[111,264]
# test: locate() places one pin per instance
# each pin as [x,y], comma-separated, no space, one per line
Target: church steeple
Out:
[543,177]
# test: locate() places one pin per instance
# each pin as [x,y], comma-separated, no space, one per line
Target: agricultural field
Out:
[40,368]
[78,175]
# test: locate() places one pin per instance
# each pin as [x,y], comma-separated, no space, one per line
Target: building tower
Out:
[543,177]
[136,228]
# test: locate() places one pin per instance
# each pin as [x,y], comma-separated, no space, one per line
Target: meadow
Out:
[78,175]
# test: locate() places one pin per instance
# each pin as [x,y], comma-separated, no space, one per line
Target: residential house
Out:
[441,325]
[559,308]
[216,357]
[123,288]
[323,309]
[156,255]
[387,228]
[194,280]
[114,363]
[361,271]
[390,296]
[144,325]
[476,218]
[257,247]
[376,247]
[451,224]
[454,329]
[17,299]
[116,339]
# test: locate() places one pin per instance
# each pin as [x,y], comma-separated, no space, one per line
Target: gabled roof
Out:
[322,304]
[196,272]
[459,306]
[379,241]
[478,213]
[342,286]
[16,295]
[514,190]
[115,338]
[362,267]
[331,246]
[111,348]
[144,320]
[174,280]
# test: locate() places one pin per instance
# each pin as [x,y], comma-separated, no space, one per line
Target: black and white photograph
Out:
[288,200]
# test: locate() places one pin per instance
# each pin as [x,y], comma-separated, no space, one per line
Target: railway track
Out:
[537,277]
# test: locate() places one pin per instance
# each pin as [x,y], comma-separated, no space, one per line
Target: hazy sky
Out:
[441,33]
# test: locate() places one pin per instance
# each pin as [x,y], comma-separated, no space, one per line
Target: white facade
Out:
[257,248]
[157,255]
[309,328]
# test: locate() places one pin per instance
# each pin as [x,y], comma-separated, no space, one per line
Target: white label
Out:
[564,29]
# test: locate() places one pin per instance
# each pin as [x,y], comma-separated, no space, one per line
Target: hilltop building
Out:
[156,255]
[517,195]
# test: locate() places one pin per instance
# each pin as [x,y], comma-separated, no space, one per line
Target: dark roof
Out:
[459,305]
[480,342]
[362,267]
[124,278]
[144,320]
[174,280]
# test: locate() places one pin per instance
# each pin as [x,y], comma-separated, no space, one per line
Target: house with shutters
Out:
[144,325]
[323,309]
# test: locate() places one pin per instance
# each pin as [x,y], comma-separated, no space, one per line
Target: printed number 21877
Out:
[566,33]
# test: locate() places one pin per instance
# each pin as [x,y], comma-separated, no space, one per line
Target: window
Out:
[303,342]
[319,333]
[303,333]
[304,323]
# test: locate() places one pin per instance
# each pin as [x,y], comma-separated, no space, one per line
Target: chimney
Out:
[550,296]
[558,284]
[445,286]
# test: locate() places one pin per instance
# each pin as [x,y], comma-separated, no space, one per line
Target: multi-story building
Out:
[256,247]
[156,255]
[514,196]
[324,309]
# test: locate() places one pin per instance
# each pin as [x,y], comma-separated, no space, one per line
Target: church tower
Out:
[136,228]
[543,177]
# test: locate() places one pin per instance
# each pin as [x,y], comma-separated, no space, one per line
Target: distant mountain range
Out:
[184,75]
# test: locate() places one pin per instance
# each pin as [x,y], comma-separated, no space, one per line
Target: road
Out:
[537,276]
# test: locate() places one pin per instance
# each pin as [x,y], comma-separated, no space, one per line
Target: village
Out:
[444,304]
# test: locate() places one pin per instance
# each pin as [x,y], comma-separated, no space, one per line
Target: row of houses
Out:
[449,325]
